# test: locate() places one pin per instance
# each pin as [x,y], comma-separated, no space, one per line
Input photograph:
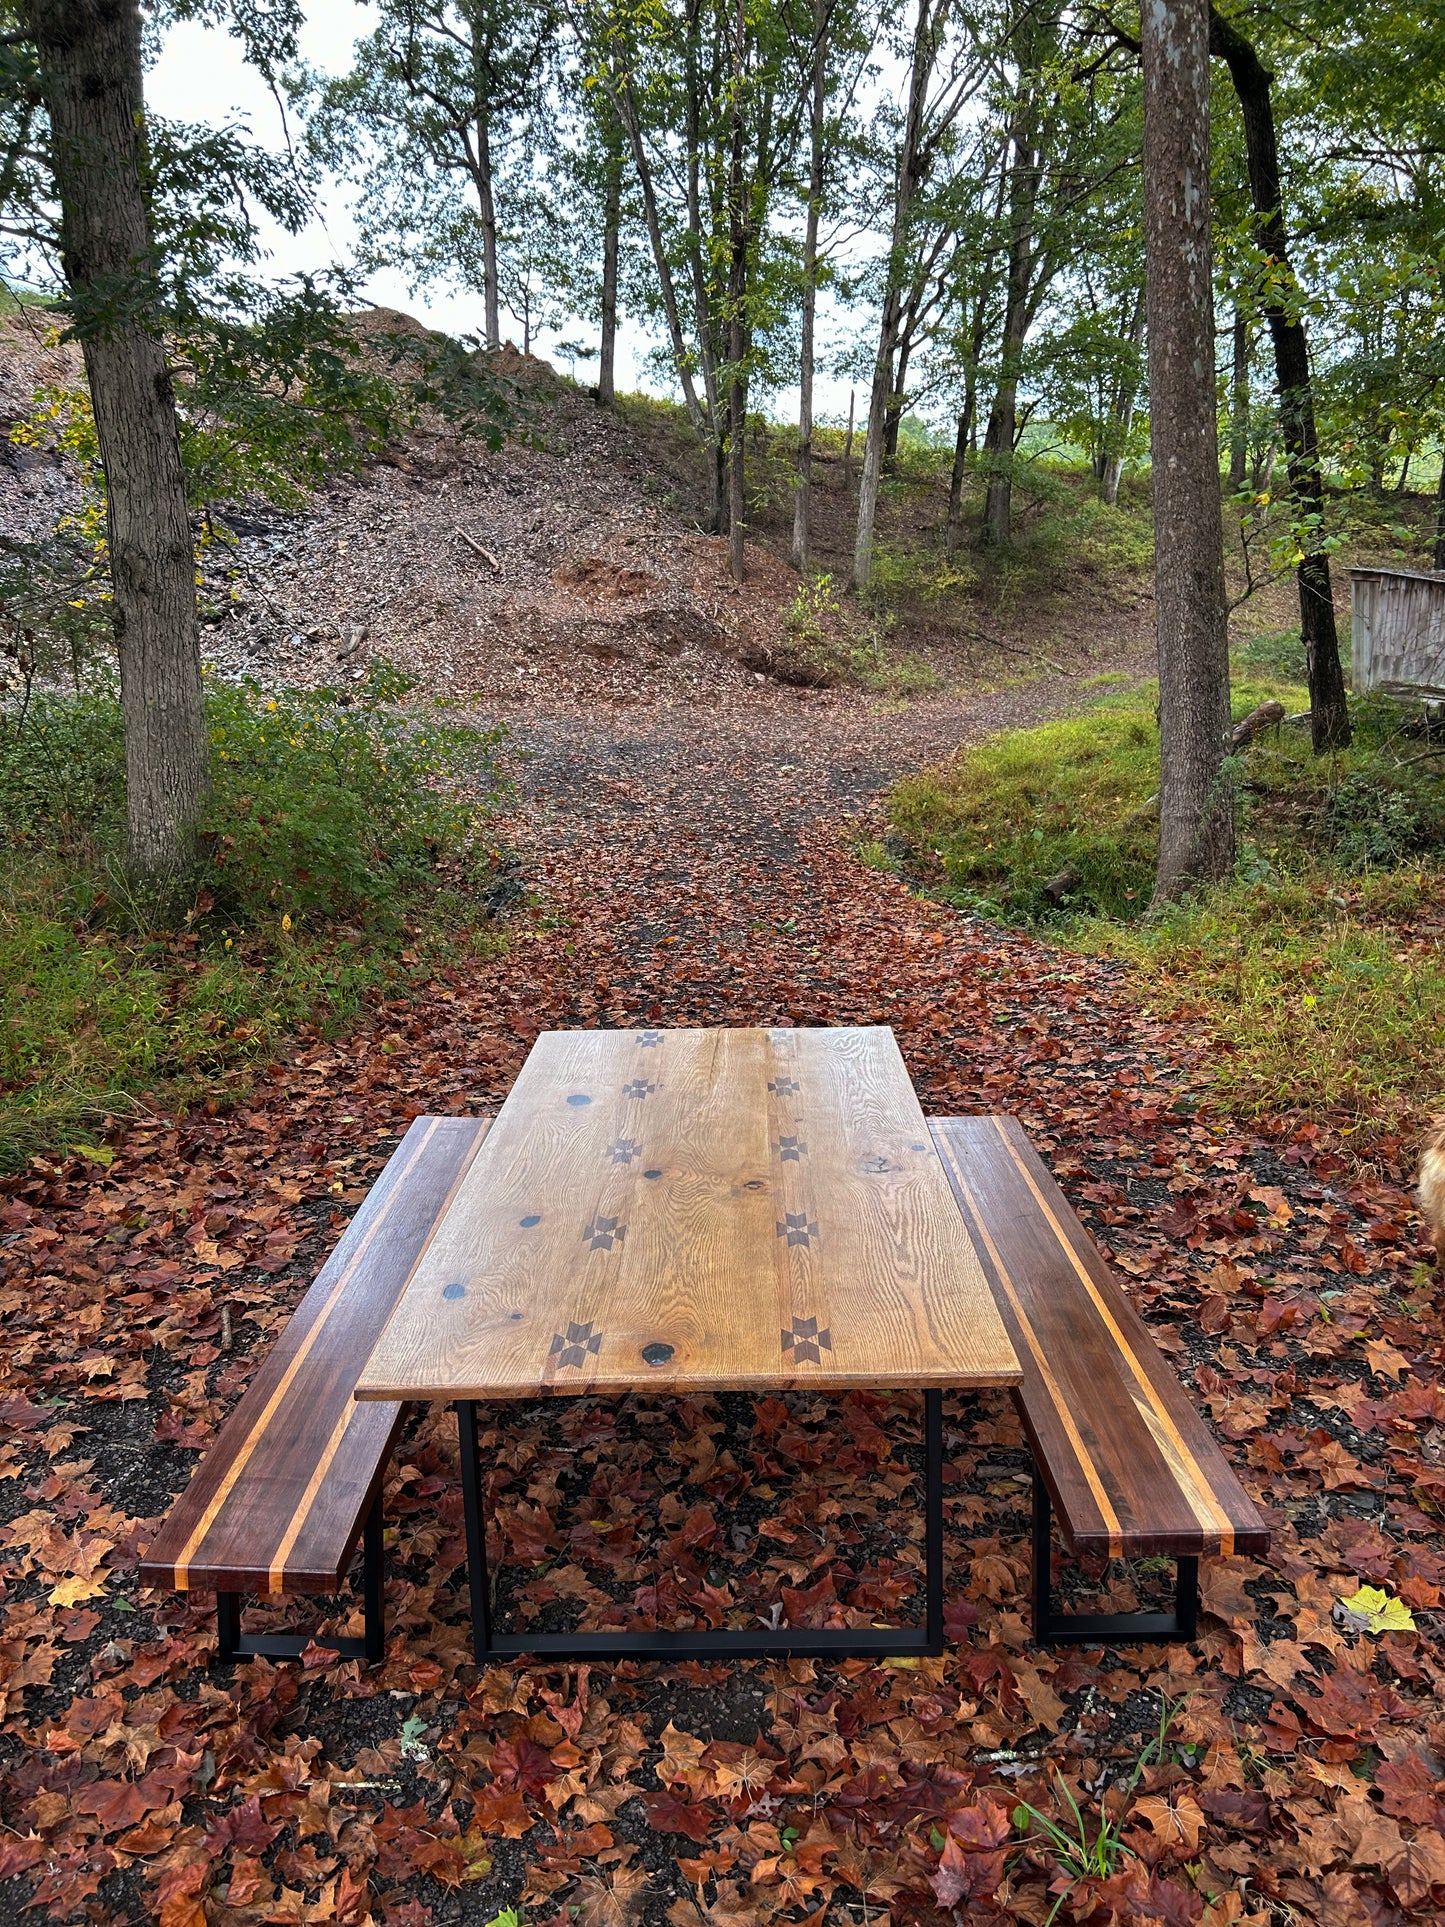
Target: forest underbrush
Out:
[343,859]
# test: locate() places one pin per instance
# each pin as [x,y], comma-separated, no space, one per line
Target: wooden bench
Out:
[295,1475]
[1126,1461]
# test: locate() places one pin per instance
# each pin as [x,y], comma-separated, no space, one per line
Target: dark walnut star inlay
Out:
[797,1228]
[784,1086]
[572,1347]
[603,1233]
[803,1341]
[622,1150]
[639,1087]
[791,1150]
[649,1039]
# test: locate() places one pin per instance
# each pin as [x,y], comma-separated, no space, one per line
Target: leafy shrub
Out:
[1371,825]
[325,803]
[342,856]
[338,803]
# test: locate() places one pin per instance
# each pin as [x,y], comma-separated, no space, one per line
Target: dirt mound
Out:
[549,568]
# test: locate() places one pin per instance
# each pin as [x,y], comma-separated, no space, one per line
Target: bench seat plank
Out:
[278,1502]
[1131,1466]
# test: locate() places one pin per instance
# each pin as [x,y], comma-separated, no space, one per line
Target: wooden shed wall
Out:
[1397,631]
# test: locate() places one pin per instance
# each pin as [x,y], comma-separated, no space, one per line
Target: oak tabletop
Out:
[687,1210]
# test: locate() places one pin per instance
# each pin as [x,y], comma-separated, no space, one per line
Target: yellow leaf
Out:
[96,1153]
[1372,1610]
[70,1592]
[286,921]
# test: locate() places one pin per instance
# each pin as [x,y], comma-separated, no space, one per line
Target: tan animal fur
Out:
[1430,1190]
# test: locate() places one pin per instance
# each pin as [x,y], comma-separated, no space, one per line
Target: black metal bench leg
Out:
[233,1644]
[1101,1629]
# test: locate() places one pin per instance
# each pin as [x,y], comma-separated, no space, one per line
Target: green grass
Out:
[343,859]
[1322,995]
[1317,970]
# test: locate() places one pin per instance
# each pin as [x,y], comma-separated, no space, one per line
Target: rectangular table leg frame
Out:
[664,1644]
[1104,1629]
[234,1644]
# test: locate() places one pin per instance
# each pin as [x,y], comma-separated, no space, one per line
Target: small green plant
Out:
[1082,1852]
[813,611]
[1078,1852]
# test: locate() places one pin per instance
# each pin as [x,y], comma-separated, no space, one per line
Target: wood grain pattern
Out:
[680,1209]
[1130,1465]
[278,1502]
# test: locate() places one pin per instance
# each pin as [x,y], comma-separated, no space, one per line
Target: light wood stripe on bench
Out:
[278,1501]
[1131,1465]
[1035,1351]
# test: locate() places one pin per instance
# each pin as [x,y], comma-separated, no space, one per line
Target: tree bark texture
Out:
[611,225]
[817,105]
[925,53]
[1329,711]
[1196,804]
[1239,404]
[487,209]
[1002,430]
[1440,520]
[90,58]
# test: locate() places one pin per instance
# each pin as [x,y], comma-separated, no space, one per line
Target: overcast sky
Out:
[201,77]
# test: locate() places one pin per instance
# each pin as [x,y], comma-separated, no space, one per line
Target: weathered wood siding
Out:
[1397,632]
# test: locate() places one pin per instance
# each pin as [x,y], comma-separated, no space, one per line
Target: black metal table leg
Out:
[659,1643]
[228,1626]
[933,1519]
[373,1579]
[1102,1629]
[482,1647]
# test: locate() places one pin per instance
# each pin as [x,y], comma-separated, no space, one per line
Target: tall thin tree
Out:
[1196,805]
[1329,710]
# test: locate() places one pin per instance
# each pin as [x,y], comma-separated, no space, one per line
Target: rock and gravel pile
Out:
[549,569]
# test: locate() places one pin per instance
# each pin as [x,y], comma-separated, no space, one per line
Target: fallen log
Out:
[1265,716]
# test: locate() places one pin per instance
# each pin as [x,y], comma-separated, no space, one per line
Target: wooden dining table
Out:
[695,1211]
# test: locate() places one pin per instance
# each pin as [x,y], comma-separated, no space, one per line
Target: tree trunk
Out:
[803,508]
[896,402]
[1196,804]
[925,53]
[1126,395]
[90,60]
[611,225]
[491,294]
[1329,711]
[1239,405]
[719,492]
[737,314]
[848,445]
[1440,519]
[626,106]
[999,438]
[954,520]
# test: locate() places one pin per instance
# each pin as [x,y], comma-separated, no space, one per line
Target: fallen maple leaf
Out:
[1178,1826]
[1372,1610]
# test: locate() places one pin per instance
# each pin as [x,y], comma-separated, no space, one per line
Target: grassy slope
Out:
[1318,970]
